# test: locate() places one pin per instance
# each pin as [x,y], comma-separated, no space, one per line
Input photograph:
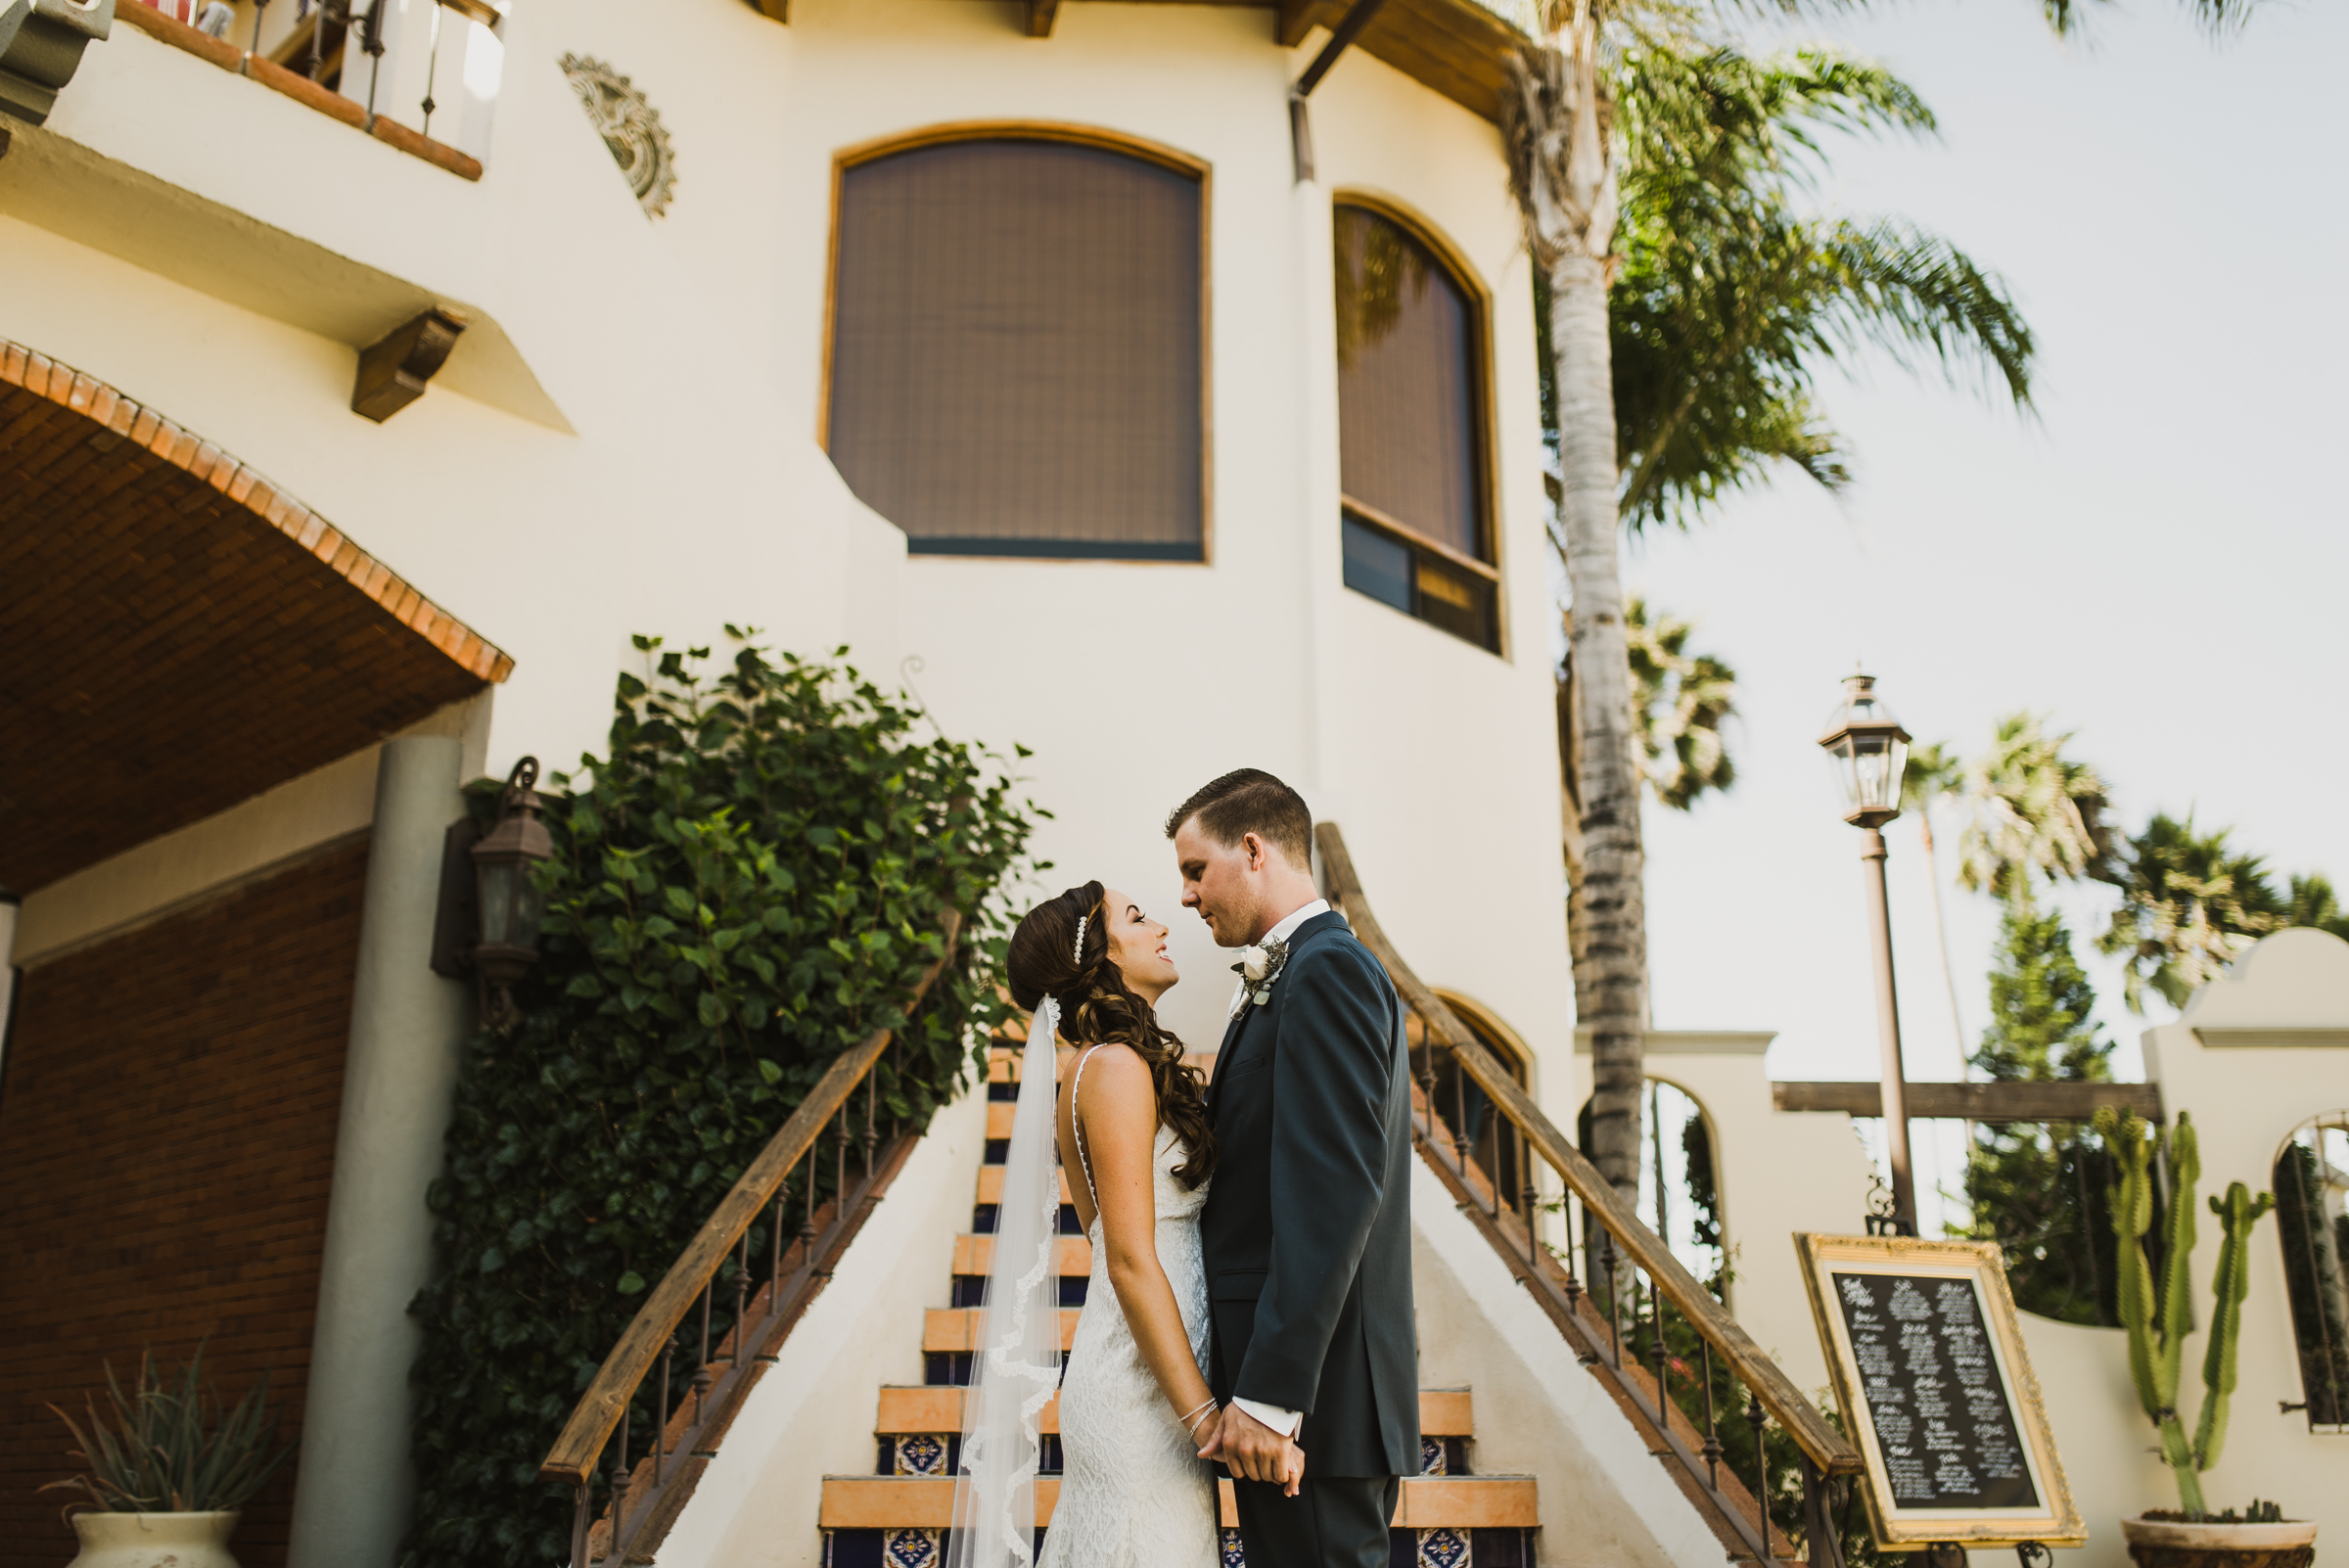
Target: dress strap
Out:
[1077,1126]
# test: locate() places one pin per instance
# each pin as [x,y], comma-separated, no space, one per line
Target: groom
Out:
[1306,1231]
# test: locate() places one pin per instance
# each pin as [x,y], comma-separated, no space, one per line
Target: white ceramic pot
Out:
[154,1539]
[2164,1541]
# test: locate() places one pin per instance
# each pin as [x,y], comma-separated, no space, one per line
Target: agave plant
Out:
[172,1446]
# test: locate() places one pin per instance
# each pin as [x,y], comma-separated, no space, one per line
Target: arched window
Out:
[1017,346]
[1680,1178]
[1412,428]
[2312,1182]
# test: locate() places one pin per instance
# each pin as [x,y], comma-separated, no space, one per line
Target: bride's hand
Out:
[1292,1469]
[1208,1434]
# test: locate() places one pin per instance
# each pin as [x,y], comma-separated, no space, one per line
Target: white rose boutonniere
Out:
[1258,967]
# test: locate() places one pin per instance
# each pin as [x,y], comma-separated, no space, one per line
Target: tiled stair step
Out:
[1444,1412]
[990,1185]
[956,1328]
[973,1254]
[927,1502]
[1407,1549]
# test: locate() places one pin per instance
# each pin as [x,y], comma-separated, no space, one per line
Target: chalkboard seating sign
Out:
[1935,1386]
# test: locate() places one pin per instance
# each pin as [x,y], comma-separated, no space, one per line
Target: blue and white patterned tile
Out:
[1233,1555]
[921,1454]
[1431,1456]
[1444,1548]
[912,1548]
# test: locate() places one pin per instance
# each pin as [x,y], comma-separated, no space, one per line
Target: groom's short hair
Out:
[1249,800]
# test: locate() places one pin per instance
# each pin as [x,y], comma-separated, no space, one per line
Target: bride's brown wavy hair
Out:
[1097,1008]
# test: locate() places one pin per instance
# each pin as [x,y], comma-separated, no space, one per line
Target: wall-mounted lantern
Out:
[491,903]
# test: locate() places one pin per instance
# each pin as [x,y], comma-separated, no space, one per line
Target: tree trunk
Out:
[1563,175]
[1610,972]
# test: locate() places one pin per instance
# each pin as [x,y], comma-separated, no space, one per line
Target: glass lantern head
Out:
[1868,751]
[511,904]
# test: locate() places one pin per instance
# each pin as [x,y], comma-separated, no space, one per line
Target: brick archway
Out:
[177,632]
[177,636]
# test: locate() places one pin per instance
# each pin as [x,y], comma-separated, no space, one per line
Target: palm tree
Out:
[1680,702]
[2189,905]
[1562,172]
[1934,772]
[2033,810]
[1741,130]
[1729,296]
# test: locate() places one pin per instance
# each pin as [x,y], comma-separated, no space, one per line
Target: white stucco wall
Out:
[812,1415]
[1603,1497]
[676,483]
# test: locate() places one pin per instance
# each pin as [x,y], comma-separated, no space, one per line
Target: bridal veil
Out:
[1015,1369]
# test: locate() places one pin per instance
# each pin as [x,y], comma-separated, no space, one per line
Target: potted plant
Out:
[166,1480]
[2189,1535]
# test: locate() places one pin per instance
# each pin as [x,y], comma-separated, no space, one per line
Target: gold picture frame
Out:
[1917,1339]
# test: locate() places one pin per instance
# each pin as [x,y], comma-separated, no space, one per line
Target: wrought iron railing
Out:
[640,1496]
[1634,1301]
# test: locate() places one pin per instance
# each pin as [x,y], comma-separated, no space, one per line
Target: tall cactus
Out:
[2238,1213]
[2157,1341]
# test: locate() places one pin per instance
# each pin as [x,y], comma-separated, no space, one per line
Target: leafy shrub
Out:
[749,882]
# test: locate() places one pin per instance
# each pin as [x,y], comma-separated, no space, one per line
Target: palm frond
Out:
[2191,906]
[1728,299]
[2033,811]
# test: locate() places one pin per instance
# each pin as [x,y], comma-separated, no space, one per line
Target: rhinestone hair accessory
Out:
[1076,955]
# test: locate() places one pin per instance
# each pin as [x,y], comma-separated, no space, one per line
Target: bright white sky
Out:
[2156,561]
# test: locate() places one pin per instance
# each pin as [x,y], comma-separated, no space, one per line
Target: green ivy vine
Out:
[749,882]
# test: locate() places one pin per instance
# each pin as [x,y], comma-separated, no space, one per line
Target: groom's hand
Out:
[1254,1452]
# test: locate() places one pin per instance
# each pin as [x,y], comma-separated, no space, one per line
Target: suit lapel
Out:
[1214,1082]
[1248,1009]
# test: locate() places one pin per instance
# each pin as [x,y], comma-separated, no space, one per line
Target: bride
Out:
[1131,1126]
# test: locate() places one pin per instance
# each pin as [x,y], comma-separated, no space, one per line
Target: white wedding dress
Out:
[1134,1492]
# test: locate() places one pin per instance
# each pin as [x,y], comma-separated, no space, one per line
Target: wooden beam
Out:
[1042,14]
[1976,1102]
[392,372]
[1293,21]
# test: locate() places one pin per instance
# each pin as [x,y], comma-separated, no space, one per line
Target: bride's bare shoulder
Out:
[1115,1082]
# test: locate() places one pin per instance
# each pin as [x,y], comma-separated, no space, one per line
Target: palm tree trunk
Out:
[1609,908]
[1949,983]
[1563,175]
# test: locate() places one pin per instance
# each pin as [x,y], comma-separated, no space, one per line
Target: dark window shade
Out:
[1015,351]
[1407,413]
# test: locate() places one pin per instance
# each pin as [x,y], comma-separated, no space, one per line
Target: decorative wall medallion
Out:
[629,127]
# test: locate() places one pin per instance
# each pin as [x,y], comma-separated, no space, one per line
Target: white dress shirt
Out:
[1285,1422]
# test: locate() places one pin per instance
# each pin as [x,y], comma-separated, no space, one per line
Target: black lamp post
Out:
[1868,751]
[490,908]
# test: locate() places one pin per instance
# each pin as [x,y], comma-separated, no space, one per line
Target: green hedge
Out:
[751,880]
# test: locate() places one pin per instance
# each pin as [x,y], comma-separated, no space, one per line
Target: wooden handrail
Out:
[1819,1442]
[575,1455]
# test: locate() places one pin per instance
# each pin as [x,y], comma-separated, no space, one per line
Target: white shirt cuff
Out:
[1285,1422]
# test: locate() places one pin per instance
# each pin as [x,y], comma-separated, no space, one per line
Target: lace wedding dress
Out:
[1134,1492]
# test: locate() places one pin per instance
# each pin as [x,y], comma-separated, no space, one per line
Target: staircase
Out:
[897,1516]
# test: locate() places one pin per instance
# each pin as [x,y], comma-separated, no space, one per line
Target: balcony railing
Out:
[342,59]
